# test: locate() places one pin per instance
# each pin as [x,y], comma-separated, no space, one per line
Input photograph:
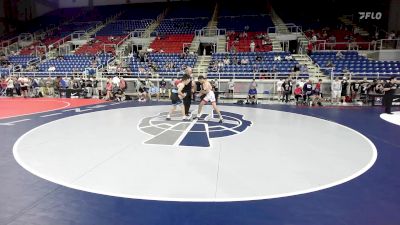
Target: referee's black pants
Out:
[187,102]
[387,102]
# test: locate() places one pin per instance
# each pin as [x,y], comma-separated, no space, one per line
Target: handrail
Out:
[221,75]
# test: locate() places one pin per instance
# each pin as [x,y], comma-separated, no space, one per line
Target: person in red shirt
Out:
[309,48]
[109,87]
[298,93]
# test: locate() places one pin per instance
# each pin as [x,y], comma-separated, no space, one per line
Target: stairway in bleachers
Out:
[313,69]
[201,66]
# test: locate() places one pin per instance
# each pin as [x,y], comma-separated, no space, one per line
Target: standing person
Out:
[389,88]
[24,82]
[287,89]
[231,88]
[109,88]
[17,86]
[10,86]
[209,97]
[177,94]
[215,86]
[279,89]
[307,91]
[355,89]
[336,90]
[252,46]
[163,85]
[344,93]
[189,89]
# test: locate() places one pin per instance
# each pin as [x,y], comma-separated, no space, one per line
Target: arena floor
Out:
[122,163]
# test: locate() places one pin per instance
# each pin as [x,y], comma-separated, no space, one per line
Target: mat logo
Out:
[196,133]
[370,15]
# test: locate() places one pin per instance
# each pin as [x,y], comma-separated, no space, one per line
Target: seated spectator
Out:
[298,93]
[227,61]
[289,57]
[252,96]
[329,64]
[244,61]
[52,68]
[339,55]
[277,58]
[252,46]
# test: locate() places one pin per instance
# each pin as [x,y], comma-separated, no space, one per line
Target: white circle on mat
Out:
[391,118]
[282,154]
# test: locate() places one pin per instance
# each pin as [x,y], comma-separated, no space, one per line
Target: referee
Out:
[189,89]
[389,89]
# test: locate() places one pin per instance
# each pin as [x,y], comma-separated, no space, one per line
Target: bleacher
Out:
[243,44]
[359,65]
[21,60]
[159,61]
[265,65]
[171,43]
[4,71]
[181,25]
[123,27]
[238,23]
[70,63]
[101,43]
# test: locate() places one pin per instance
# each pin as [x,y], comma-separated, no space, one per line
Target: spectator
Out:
[287,90]
[252,96]
[344,92]
[288,57]
[298,93]
[109,88]
[329,64]
[10,86]
[163,87]
[252,46]
[244,61]
[277,57]
[355,90]
[231,87]
[307,91]
[336,90]
[339,55]
[279,89]
[116,81]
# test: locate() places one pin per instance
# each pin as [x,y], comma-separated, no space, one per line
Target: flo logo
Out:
[196,133]
[370,15]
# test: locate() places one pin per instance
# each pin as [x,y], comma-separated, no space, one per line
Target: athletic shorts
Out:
[24,88]
[175,100]
[210,97]
[230,91]
[336,94]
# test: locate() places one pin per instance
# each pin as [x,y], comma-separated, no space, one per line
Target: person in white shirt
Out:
[277,58]
[339,55]
[10,86]
[289,58]
[336,90]
[301,82]
[116,81]
[52,68]
[279,88]
[231,87]
[252,46]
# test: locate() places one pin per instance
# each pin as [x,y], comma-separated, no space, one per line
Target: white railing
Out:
[209,32]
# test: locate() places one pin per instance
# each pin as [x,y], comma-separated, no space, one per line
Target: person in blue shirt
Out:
[252,96]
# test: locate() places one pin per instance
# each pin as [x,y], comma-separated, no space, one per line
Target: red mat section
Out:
[13,107]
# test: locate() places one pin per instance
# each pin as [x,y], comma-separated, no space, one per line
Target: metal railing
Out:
[210,32]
